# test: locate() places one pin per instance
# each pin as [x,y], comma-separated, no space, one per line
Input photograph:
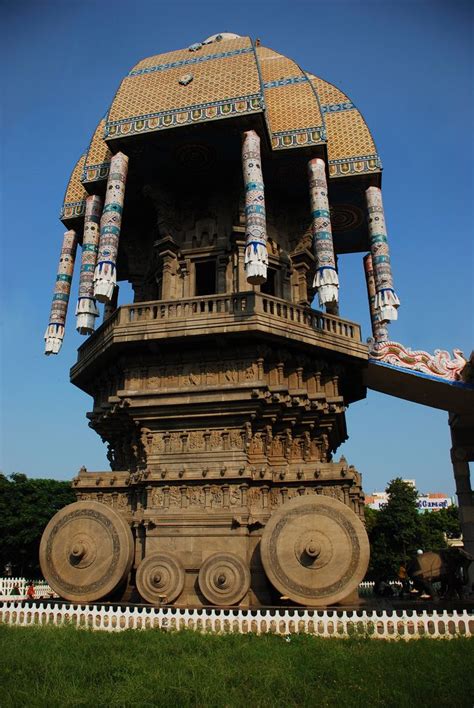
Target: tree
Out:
[436,526]
[26,506]
[394,537]
[398,530]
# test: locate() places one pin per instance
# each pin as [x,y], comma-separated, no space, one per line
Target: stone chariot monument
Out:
[223,185]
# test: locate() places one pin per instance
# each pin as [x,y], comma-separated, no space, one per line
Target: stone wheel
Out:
[86,551]
[224,579]
[315,550]
[160,578]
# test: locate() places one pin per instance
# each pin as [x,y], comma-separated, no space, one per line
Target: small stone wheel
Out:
[224,579]
[160,578]
[315,550]
[86,551]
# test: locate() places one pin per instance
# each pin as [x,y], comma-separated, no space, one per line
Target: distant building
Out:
[433,501]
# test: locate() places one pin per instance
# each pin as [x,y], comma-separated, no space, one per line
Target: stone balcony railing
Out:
[222,314]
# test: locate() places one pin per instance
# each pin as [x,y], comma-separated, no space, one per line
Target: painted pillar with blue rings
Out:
[326,280]
[105,276]
[86,309]
[54,334]
[386,300]
[256,254]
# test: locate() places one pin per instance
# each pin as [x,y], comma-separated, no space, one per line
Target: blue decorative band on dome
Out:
[337,107]
[286,82]
[187,62]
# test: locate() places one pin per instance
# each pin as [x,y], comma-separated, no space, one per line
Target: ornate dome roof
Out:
[228,76]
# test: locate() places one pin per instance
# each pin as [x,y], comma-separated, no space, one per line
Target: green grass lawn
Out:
[63,666]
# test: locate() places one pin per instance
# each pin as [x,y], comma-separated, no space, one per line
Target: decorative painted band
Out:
[354,165]
[72,210]
[298,138]
[440,364]
[95,173]
[240,105]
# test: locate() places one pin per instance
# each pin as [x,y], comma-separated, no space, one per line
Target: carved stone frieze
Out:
[202,497]
[187,375]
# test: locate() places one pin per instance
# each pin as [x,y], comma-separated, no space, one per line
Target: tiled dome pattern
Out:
[75,198]
[98,156]
[226,79]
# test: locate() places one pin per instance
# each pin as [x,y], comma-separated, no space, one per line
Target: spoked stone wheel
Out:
[160,578]
[86,551]
[224,579]
[315,550]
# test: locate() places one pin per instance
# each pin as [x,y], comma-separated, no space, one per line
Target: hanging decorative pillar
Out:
[386,300]
[54,334]
[86,309]
[105,276]
[326,280]
[379,327]
[256,254]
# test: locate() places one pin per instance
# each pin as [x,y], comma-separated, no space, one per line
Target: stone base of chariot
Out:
[229,542]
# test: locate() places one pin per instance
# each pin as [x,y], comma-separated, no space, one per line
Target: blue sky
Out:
[406,65]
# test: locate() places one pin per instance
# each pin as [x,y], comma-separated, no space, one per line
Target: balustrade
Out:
[229,309]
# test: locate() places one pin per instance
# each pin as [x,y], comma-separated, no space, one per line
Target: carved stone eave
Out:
[166,246]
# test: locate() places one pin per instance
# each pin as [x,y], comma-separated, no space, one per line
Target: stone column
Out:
[222,261]
[86,309]
[167,255]
[183,270]
[462,451]
[105,276]
[168,277]
[326,280]
[256,255]
[466,504]
[239,281]
[54,334]
[386,300]
[379,327]
[301,267]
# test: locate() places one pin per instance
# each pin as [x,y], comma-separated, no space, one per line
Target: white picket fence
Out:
[366,588]
[376,624]
[42,589]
